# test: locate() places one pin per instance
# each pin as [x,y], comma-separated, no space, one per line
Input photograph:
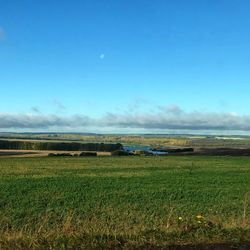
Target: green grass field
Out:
[123,202]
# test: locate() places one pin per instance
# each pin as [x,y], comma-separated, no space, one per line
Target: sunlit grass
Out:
[131,200]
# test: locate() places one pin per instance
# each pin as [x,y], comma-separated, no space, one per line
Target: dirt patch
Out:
[223,151]
[41,153]
[14,153]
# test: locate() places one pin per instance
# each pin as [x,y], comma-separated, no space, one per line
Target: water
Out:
[144,148]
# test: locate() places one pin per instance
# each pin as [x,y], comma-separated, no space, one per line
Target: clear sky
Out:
[130,59]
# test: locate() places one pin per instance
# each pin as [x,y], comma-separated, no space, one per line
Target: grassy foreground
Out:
[124,202]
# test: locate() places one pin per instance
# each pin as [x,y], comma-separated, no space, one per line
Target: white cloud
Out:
[59,105]
[138,103]
[30,121]
[171,118]
[36,110]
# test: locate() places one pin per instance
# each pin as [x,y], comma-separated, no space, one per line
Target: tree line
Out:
[66,146]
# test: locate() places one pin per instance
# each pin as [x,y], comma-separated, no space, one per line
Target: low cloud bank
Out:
[30,121]
[169,118]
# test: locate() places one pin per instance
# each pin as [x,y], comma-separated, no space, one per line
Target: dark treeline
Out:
[66,146]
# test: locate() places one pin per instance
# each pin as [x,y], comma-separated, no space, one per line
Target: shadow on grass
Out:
[219,246]
[112,243]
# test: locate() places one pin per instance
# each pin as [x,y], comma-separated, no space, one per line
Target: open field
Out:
[124,202]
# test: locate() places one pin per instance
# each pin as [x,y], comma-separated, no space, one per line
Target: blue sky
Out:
[128,58]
